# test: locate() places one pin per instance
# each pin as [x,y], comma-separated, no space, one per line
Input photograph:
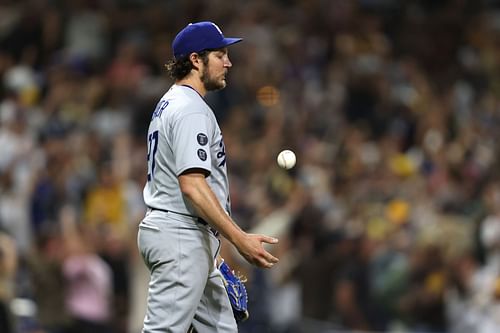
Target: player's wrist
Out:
[237,237]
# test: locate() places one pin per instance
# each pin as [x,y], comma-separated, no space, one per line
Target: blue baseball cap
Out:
[196,37]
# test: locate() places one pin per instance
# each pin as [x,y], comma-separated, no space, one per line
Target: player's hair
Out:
[180,68]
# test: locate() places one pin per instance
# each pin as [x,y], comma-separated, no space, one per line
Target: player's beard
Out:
[210,82]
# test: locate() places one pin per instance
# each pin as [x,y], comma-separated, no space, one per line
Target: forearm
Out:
[195,188]
[201,196]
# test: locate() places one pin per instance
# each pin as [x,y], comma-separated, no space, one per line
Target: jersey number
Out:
[152,147]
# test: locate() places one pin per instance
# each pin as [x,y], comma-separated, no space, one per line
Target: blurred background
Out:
[390,222]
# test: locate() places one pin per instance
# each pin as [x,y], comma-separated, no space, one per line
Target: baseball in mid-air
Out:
[286,159]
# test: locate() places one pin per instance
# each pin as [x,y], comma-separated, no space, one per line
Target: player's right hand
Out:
[250,247]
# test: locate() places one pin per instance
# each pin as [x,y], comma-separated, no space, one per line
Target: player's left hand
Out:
[236,292]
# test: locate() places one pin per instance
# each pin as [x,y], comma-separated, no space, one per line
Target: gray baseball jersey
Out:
[183,134]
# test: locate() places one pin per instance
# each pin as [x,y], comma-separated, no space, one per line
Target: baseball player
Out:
[187,193]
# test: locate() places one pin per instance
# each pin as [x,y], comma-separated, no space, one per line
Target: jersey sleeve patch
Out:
[202,139]
[202,154]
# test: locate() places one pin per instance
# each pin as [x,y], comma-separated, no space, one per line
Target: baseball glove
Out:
[236,291]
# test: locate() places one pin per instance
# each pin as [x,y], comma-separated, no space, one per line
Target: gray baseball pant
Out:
[185,286]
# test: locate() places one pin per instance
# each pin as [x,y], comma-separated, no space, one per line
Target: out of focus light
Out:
[397,211]
[433,140]
[402,165]
[268,96]
[23,307]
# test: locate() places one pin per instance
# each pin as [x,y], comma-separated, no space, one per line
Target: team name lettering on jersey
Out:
[221,155]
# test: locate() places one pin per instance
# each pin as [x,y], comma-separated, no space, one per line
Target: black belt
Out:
[196,218]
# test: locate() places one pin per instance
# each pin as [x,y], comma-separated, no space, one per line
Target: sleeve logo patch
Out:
[202,139]
[202,154]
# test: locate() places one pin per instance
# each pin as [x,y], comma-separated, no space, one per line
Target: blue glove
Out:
[236,291]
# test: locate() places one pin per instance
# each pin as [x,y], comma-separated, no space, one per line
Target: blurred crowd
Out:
[390,221]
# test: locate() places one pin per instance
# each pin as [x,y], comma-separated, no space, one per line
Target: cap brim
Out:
[230,41]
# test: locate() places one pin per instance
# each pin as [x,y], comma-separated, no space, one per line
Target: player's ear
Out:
[196,60]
